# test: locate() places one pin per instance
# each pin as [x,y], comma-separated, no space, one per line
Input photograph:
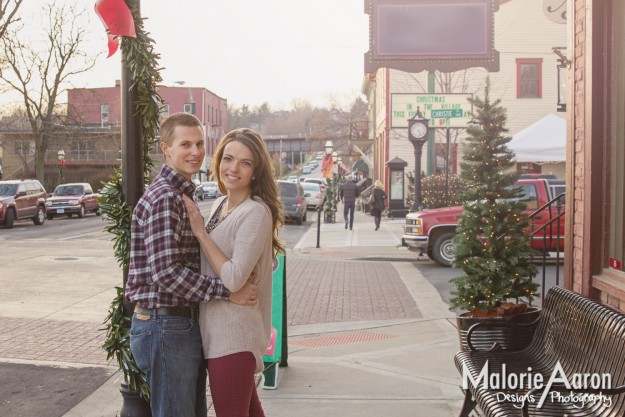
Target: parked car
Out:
[70,199]
[22,199]
[211,189]
[313,193]
[433,230]
[321,181]
[306,170]
[293,201]
[292,178]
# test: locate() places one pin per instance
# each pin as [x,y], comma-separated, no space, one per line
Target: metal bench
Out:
[578,341]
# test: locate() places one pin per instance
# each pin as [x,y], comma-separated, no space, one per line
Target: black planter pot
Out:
[511,333]
[134,405]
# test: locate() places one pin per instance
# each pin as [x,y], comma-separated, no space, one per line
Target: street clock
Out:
[418,127]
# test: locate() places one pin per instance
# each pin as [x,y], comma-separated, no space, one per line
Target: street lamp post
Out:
[418,128]
[61,155]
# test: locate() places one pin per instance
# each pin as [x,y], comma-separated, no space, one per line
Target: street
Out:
[91,227]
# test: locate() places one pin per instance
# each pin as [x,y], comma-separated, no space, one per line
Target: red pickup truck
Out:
[432,231]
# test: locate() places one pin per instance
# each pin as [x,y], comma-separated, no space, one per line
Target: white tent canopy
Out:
[544,141]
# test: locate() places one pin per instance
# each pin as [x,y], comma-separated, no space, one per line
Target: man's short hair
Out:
[177,119]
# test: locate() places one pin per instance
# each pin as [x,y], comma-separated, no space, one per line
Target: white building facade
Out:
[526,83]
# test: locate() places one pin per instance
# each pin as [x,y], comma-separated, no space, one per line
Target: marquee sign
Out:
[443,35]
[443,110]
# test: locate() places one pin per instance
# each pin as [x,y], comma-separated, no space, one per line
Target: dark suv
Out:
[293,201]
[69,199]
[22,199]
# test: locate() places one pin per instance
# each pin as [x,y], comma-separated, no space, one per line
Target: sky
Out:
[246,51]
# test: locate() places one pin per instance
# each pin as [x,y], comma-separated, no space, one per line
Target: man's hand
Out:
[246,296]
[195,217]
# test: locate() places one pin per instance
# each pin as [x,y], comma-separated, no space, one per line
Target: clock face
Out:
[418,130]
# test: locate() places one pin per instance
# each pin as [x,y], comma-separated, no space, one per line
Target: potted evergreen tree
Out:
[492,244]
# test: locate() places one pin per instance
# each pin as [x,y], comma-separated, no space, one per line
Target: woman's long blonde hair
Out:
[263,183]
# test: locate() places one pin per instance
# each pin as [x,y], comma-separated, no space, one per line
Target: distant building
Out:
[101,108]
[90,134]
[89,154]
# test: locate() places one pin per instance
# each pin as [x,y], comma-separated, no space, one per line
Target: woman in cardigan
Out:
[378,202]
[240,238]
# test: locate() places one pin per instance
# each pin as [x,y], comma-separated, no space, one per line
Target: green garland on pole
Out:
[142,61]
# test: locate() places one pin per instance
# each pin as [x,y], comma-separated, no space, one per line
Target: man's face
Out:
[186,153]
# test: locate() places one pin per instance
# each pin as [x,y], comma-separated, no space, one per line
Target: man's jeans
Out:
[168,350]
[349,208]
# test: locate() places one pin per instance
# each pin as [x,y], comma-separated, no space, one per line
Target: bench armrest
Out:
[496,345]
[562,387]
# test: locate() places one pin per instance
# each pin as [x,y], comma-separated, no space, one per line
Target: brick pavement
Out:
[328,290]
[74,342]
[318,291]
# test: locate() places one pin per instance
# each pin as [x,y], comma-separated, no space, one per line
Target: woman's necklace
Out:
[221,215]
[230,209]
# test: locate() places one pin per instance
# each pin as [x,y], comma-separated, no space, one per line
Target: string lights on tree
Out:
[492,245]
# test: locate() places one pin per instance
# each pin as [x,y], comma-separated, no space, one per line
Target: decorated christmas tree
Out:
[492,241]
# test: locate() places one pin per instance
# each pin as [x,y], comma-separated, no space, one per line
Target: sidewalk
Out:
[395,359]
[368,334]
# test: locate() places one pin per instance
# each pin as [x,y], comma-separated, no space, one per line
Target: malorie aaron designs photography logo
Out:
[529,380]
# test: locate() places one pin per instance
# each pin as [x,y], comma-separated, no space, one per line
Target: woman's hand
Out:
[195,217]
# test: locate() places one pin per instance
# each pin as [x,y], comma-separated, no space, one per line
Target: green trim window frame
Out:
[529,78]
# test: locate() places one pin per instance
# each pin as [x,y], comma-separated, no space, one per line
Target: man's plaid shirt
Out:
[164,254]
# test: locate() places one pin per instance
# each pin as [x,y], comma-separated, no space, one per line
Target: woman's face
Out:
[237,167]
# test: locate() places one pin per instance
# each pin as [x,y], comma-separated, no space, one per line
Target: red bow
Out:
[117,20]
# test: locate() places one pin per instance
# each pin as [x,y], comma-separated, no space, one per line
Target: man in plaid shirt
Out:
[164,280]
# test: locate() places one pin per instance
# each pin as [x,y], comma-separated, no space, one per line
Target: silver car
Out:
[314,194]
[211,189]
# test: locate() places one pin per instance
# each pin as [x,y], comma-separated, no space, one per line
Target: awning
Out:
[360,165]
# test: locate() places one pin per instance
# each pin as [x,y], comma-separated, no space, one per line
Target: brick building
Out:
[595,252]
[101,108]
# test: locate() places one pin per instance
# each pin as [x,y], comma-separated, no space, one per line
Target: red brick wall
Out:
[585,271]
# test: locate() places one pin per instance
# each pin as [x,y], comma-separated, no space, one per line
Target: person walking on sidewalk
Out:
[240,237]
[348,193]
[378,202]
[164,279]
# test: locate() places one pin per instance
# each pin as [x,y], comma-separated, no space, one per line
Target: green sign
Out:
[273,354]
[446,114]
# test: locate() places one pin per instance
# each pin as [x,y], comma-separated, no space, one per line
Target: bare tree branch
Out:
[8,11]
[39,76]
